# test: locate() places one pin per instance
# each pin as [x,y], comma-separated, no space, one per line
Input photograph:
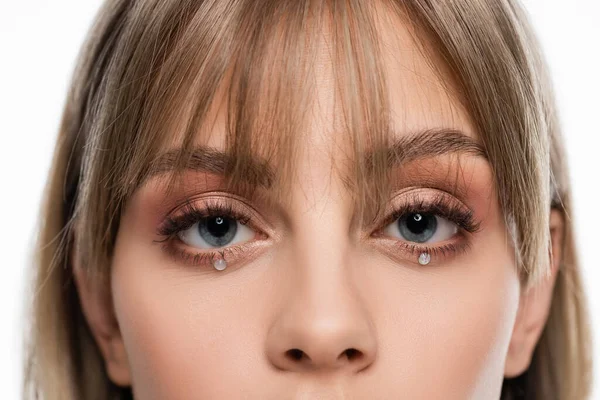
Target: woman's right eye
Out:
[216,232]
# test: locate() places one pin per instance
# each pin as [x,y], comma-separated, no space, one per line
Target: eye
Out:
[422,228]
[216,231]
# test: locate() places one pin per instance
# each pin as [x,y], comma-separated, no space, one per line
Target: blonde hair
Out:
[150,67]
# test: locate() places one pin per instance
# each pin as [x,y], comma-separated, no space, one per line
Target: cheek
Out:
[179,326]
[451,325]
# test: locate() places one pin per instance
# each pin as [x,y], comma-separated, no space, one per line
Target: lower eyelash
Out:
[189,258]
[440,206]
[450,249]
[411,251]
[205,258]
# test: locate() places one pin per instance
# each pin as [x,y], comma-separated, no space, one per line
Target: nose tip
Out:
[340,343]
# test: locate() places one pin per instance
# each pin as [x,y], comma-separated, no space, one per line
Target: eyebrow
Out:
[405,148]
[207,159]
[427,144]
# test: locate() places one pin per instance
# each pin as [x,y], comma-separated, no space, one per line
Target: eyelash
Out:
[440,205]
[189,214]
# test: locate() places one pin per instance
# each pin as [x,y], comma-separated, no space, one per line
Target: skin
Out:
[319,282]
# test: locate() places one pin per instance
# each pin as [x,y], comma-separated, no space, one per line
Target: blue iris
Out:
[417,227]
[217,231]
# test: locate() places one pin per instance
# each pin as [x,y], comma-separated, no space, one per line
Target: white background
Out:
[39,40]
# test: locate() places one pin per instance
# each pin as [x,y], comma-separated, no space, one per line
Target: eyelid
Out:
[410,199]
[237,206]
[186,215]
[436,202]
[414,200]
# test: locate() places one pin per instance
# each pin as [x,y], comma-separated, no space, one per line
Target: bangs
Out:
[257,59]
[161,68]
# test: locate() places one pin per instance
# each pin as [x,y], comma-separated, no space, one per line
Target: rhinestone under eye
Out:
[424,258]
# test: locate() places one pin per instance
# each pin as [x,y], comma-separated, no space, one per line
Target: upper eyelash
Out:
[439,205]
[189,215]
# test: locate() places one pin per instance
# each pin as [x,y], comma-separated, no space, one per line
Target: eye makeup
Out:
[197,210]
[431,202]
[415,201]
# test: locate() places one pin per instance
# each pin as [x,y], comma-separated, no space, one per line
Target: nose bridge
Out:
[321,256]
[323,324]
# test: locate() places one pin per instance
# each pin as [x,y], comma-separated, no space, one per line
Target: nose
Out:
[323,325]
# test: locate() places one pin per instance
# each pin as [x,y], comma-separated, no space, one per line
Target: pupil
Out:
[416,223]
[218,226]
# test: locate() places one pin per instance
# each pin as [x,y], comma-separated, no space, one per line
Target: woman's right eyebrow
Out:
[207,159]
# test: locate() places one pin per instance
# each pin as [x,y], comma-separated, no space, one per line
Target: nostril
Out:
[295,354]
[352,354]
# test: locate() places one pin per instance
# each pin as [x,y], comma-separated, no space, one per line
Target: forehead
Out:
[421,92]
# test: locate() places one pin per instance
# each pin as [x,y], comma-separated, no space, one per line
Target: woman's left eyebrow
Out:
[427,144]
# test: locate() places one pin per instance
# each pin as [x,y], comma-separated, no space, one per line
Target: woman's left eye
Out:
[215,232]
[422,228]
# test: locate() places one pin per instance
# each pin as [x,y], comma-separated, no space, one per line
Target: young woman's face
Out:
[312,303]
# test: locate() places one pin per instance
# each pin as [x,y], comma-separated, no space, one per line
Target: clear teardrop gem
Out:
[220,264]
[424,258]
